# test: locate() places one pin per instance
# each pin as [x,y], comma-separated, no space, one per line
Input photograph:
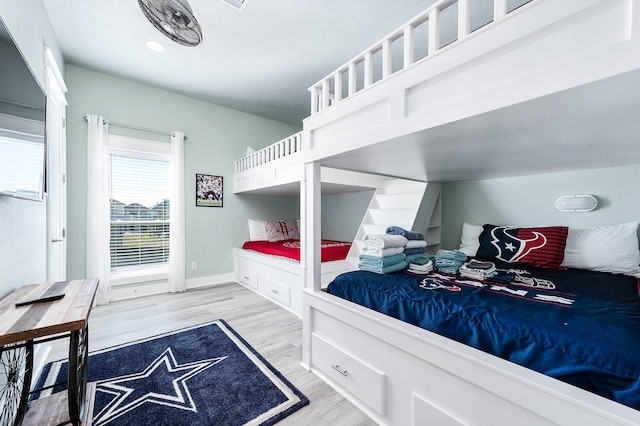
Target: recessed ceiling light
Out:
[155,46]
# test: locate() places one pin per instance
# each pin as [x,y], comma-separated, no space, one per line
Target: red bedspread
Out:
[331,250]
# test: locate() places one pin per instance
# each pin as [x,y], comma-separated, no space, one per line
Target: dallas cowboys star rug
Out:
[202,375]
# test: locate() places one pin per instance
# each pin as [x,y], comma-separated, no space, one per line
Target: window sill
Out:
[139,275]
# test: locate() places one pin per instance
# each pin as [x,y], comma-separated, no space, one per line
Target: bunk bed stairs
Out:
[412,205]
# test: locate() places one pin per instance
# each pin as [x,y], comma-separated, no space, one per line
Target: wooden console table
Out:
[24,326]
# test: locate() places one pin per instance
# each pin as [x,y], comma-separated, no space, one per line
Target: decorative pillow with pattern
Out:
[540,246]
[279,230]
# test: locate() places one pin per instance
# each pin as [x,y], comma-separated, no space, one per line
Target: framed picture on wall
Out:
[208,190]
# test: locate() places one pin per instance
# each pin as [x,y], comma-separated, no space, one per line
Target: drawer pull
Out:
[274,291]
[336,367]
[247,278]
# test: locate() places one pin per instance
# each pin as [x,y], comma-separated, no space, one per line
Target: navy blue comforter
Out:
[578,326]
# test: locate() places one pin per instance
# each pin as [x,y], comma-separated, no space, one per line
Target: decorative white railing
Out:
[414,42]
[281,149]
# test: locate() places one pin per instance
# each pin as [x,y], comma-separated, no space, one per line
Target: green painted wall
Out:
[530,200]
[217,136]
[342,214]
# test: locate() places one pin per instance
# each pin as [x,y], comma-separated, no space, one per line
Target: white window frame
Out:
[146,150]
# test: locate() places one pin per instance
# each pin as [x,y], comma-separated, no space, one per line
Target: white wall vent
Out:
[236,4]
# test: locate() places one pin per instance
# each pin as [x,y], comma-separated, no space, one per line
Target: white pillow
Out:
[604,248]
[249,151]
[470,240]
[258,230]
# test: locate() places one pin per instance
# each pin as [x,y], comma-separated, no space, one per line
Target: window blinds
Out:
[139,211]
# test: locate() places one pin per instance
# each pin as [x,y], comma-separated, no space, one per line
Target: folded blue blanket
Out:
[381,261]
[451,254]
[391,268]
[418,258]
[417,250]
[409,235]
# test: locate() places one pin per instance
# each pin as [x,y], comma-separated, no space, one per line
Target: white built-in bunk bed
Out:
[550,86]
[279,170]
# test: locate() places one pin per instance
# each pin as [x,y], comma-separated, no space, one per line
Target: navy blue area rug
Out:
[203,375]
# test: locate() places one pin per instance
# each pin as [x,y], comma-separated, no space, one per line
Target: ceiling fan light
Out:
[168,28]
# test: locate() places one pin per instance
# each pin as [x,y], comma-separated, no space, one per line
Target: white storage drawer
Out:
[361,380]
[275,290]
[246,275]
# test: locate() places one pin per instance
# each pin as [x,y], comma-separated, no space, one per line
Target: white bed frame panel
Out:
[276,173]
[428,379]
[279,279]
[542,48]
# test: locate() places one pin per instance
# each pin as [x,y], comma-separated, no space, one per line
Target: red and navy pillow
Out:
[540,246]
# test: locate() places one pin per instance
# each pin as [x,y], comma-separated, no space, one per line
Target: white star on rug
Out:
[162,382]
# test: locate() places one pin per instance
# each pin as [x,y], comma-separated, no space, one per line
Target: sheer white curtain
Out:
[98,259]
[177,215]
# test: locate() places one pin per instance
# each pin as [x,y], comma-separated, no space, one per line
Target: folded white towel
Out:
[415,244]
[426,268]
[380,252]
[420,269]
[385,240]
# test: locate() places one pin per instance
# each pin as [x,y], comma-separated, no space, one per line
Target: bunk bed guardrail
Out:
[281,149]
[414,42]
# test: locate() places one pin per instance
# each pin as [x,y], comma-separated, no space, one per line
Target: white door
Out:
[56,172]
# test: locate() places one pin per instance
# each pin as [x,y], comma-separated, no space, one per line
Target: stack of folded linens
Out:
[409,235]
[415,249]
[478,270]
[449,261]
[382,253]
[416,246]
[422,269]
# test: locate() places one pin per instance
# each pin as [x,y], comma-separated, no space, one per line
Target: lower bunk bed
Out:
[552,346]
[273,269]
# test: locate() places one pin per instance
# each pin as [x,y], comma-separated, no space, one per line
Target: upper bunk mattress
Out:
[330,249]
[578,326]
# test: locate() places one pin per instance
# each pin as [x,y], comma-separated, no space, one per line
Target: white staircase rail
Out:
[281,149]
[376,63]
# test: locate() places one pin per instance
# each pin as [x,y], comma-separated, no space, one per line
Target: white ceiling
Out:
[260,60]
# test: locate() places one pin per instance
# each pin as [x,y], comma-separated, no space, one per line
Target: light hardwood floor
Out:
[271,330]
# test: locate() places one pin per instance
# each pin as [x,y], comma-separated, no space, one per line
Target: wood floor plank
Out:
[274,332]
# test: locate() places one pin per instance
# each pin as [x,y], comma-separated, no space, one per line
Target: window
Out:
[139,209]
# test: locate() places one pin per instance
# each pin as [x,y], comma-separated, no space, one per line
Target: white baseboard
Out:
[130,291]
[209,280]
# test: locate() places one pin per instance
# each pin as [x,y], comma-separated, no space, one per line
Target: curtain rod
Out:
[143,129]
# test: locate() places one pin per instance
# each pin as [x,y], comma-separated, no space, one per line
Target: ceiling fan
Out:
[174,19]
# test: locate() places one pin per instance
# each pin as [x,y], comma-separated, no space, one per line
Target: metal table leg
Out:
[16,369]
[77,379]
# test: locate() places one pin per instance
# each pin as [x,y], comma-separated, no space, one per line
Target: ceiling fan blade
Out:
[174,19]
